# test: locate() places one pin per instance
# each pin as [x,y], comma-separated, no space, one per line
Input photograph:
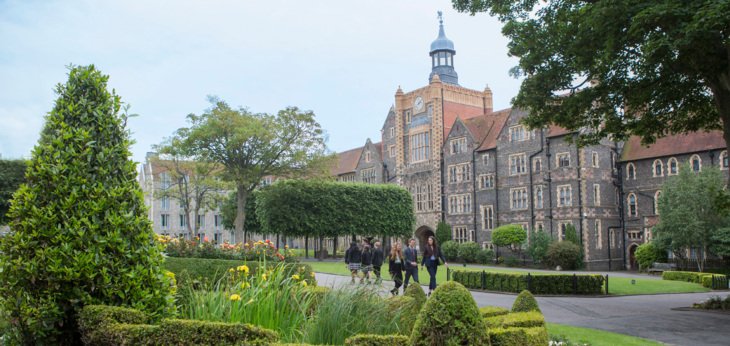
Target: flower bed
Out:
[248,251]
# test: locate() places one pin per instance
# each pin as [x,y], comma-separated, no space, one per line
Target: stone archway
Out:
[422,234]
[632,257]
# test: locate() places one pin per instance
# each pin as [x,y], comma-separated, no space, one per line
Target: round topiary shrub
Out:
[416,292]
[485,256]
[525,302]
[450,250]
[402,310]
[450,317]
[564,254]
[468,251]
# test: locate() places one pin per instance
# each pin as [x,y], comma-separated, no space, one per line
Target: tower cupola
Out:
[442,56]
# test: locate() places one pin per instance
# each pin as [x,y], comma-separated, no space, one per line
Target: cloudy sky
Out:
[344,60]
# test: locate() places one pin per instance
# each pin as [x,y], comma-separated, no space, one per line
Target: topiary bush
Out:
[417,293]
[491,311]
[450,317]
[539,284]
[485,256]
[402,310]
[564,254]
[525,302]
[648,253]
[377,340]
[80,232]
[450,250]
[468,251]
[535,336]
[511,235]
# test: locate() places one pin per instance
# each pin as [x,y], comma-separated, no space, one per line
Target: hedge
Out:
[491,311]
[705,279]
[377,340]
[209,271]
[111,325]
[719,282]
[519,336]
[558,284]
[525,302]
[516,319]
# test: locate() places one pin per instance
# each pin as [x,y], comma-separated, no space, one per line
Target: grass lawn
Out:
[596,337]
[616,285]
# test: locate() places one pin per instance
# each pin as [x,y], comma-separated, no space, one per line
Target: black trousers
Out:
[397,278]
[411,272]
[376,270]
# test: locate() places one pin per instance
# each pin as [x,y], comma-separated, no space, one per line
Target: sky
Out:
[343,60]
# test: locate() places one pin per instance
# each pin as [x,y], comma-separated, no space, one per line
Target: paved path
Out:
[647,316]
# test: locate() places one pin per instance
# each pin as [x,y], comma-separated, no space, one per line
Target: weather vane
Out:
[441,19]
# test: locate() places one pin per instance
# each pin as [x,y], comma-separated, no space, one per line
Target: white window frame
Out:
[517,164]
[558,158]
[595,160]
[165,203]
[457,145]
[392,132]
[518,198]
[487,212]
[165,221]
[518,133]
[460,204]
[562,226]
[461,234]
[657,194]
[537,164]
[724,160]
[630,171]
[368,176]
[635,212]
[485,159]
[566,201]
[598,233]
[486,181]
[367,156]
[669,166]
[420,147]
[654,165]
[539,197]
[699,163]
[391,150]
[597,194]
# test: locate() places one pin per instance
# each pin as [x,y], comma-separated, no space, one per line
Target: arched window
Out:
[656,202]
[724,160]
[696,163]
[630,172]
[633,210]
[658,168]
[672,166]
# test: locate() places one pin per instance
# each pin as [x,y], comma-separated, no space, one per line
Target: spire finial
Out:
[441,17]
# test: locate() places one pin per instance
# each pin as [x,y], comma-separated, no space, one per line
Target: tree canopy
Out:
[509,235]
[641,67]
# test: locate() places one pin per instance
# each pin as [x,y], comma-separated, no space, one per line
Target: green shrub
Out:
[509,235]
[714,303]
[485,256]
[450,317]
[538,284]
[491,311]
[377,340]
[450,250]
[536,336]
[720,281]
[80,229]
[538,246]
[416,292]
[512,261]
[468,251]
[12,175]
[523,319]
[402,310]
[694,277]
[564,254]
[648,253]
[443,232]
[316,295]
[207,272]
[525,302]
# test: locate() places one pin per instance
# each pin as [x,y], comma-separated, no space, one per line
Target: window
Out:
[594,159]
[165,203]
[487,217]
[164,180]
[368,176]
[485,159]
[537,165]
[540,227]
[630,172]
[200,221]
[266,181]
[217,238]
[656,202]
[563,159]
[165,221]
[517,164]
[696,163]
[657,168]
[408,117]
[539,197]
[367,156]
[460,204]
[458,145]
[562,228]
[672,166]
[347,177]
[596,194]
[518,134]
[611,239]
[565,196]
[460,172]
[724,160]
[634,235]
[218,221]
[424,197]
[461,235]
[486,181]
[598,234]
[183,221]
[391,151]
[392,132]
[420,147]
[518,198]
[633,211]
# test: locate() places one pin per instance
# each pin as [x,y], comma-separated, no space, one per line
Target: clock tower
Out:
[442,57]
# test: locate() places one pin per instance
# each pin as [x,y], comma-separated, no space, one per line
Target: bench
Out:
[659,268]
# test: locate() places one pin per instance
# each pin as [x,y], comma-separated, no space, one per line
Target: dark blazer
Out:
[378,257]
[367,258]
[427,255]
[353,255]
[395,267]
[411,256]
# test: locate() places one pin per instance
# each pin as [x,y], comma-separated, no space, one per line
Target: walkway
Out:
[648,316]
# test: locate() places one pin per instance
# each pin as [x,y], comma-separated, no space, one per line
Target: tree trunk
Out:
[306,246]
[334,247]
[241,198]
[321,248]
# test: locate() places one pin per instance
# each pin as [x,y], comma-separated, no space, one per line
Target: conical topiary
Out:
[416,292]
[525,302]
[79,228]
[450,317]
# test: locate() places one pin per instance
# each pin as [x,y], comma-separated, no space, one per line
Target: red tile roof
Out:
[556,131]
[453,110]
[347,161]
[497,120]
[672,145]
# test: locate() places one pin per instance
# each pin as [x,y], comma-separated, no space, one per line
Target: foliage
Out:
[416,292]
[485,256]
[377,340]
[468,251]
[248,251]
[512,261]
[251,146]
[450,317]
[525,302]
[108,325]
[229,210]
[403,310]
[714,303]
[720,281]
[564,254]
[715,282]
[537,249]
[450,250]
[526,319]
[648,253]
[618,68]
[323,208]
[443,232]
[532,336]
[539,284]
[509,235]
[694,208]
[12,174]
[80,233]
[491,311]
[571,234]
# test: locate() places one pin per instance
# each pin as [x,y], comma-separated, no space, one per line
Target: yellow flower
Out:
[263,277]
[286,246]
[231,270]
[304,283]
[295,277]
[245,285]
[243,268]
[235,297]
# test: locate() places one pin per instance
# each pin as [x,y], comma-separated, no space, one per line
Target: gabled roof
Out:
[452,110]
[672,145]
[347,161]
[557,131]
[497,120]
[379,148]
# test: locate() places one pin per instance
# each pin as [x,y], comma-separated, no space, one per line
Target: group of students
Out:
[399,261]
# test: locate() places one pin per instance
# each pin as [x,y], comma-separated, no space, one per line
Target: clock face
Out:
[418,104]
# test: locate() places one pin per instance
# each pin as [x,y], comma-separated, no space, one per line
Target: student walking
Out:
[378,258]
[431,256]
[353,258]
[367,264]
[395,266]
[411,268]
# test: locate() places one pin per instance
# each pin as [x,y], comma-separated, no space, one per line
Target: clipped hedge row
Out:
[377,340]
[111,325]
[537,284]
[704,279]
[519,336]
[517,320]
[491,311]
[719,282]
